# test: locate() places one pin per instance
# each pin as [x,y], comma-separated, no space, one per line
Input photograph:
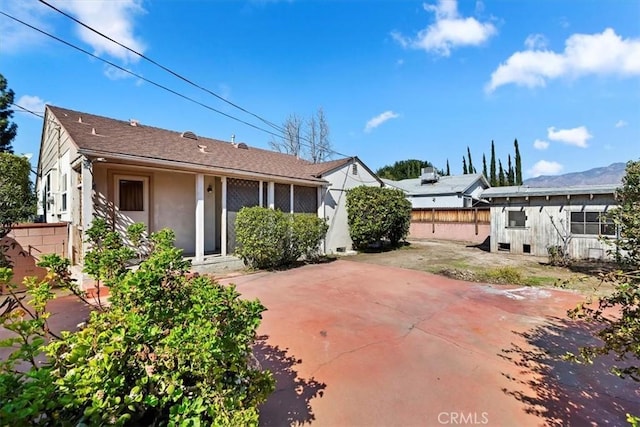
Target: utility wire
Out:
[179,76]
[281,130]
[140,77]
[168,70]
[26,110]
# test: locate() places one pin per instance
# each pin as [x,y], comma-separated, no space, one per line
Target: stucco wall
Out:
[459,232]
[335,204]
[436,201]
[28,242]
[174,201]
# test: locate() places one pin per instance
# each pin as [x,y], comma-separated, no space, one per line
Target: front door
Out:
[131,200]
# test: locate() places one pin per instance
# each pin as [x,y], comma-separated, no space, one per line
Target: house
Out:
[433,191]
[126,172]
[446,207]
[531,220]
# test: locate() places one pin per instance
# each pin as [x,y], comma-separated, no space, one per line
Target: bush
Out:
[376,213]
[170,350]
[268,238]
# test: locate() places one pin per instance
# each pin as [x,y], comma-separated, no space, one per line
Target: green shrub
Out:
[502,275]
[171,349]
[376,213]
[268,238]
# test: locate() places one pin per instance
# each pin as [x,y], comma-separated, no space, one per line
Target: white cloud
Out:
[575,136]
[112,18]
[450,30]
[535,41]
[544,167]
[605,53]
[17,37]
[31,103]
[380,119]
[621,124]
[539,144]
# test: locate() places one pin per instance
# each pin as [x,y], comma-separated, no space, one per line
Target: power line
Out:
[174,92]
[26,110]
[139,76]
[181,77]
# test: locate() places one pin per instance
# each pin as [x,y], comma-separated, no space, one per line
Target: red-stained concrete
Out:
[359,344]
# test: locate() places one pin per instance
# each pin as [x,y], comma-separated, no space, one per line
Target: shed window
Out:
[516,219]
[63,193]
[354,169]
[592,223]
[131,195]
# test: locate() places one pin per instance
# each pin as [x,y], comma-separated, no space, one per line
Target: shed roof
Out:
[450,184]
[118,139]
[523,191]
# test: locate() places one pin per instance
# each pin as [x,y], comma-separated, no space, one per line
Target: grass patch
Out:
[501,275]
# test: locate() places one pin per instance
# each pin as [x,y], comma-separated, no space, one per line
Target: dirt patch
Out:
[471,262]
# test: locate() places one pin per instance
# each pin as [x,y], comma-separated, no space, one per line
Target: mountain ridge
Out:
[611,174]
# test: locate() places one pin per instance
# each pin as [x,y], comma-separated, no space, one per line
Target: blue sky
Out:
[396,79]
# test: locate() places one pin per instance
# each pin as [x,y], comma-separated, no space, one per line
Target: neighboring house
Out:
[446,207]
[530,220]
[434,191]
[92,166]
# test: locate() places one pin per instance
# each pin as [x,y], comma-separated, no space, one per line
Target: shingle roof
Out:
[523,191]
[106,137]
[452,184]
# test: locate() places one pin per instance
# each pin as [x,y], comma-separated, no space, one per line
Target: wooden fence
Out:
[463,224]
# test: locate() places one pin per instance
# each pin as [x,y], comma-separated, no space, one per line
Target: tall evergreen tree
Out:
[7,128]
[448,169]
[470,167]
[464,166]
[493,178]
[518,179]
[484,165]
[510,173]
[501,178]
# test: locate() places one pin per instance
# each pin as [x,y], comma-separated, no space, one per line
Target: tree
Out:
[318,137]
[493,178]
[17,198]
[290,142]
[518,178]
[315,146]
[510,173]
[617,316]
[464,166]
[470,168]
[448,169]
[501,178]
[484,165]
[404,169]
[7,128]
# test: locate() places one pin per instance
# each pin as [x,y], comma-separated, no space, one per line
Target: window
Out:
[63,193]
[516,219]
[131,195]
[592,223]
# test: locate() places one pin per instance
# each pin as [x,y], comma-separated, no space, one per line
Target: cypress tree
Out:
[464,166]
[484,165]
[470,168]
[493,178]
[518,179]
[448,170]
[510,174]
[501,177]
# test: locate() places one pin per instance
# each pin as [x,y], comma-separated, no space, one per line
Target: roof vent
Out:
[134,122]
[429,176]
[190,135]
[241,145]
[202,148]
[93,131]
[79,119]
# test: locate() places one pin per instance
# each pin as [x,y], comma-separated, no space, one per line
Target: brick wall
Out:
[28,242]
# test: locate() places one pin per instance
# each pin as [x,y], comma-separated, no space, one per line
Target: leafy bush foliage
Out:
[172,349]
[377,213]
[268,238]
